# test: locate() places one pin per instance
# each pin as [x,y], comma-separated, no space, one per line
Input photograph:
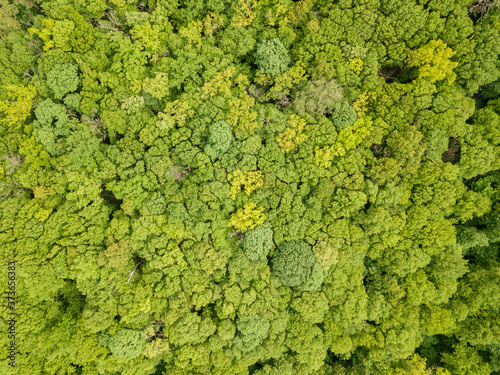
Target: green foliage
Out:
[311,306]
[219,140]
[246,181]
[347,139]
[344,116]
[465,360]
[434,62]
[250,332]
[71,34]
[272,57]
[293,134]
[133,104]
[16,58]
[491,91]
[72,101]
[174,113]
[52,122]
[240,114]
[250,187]
[247,217]
[157,86]
[126,343]
[18,106]
[295,264]
[258,242]
[418,366]
[63,79]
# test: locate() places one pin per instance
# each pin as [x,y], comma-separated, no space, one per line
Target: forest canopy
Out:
[265,187]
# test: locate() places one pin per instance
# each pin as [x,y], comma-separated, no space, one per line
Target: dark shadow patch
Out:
[108,196]
[452,155]
[380,150]
[390,73]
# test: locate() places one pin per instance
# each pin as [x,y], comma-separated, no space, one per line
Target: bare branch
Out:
[179,172]
[481,8]
[10,190]
[239,235]
[14,162]
[132,272]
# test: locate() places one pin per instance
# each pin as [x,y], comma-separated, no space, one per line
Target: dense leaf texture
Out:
[250,187]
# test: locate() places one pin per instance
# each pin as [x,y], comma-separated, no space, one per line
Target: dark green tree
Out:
[295,264]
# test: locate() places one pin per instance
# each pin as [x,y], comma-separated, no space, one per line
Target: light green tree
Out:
[258,242]
[272,57]
[63,79]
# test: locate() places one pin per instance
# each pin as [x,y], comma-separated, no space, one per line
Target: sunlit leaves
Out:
[245,13]
[347,139]
[245,181]
[293,134]
[219,84]
[157,86]
[247,217]
[241,114]
[434,62]
[19,105]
